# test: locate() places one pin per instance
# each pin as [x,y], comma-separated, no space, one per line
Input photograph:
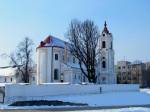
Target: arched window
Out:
[56,56]
[55,74]
[75,76]
[103,64]
[111,45]
[11,79]
[103,44]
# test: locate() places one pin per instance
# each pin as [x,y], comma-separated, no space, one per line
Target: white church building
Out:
[56,64]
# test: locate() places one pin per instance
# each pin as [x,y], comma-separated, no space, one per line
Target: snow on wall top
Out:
[7,72]
[52,41]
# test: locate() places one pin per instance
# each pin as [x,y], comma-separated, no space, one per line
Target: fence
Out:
[17,92]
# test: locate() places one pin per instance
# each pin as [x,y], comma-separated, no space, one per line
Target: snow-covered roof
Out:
[7,72]
[69,65]
[136,62]
[52,41]
[3,84]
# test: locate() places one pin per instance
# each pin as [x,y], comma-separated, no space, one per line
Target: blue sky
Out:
[128,21]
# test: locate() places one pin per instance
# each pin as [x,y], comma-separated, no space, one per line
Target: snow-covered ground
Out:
[108,99]
[104,99]
[138,109]
[131,109]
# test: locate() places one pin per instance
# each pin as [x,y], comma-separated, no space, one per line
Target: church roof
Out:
[105,30]
[52,41]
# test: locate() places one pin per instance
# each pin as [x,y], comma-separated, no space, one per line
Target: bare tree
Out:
[22,59]
[83,37]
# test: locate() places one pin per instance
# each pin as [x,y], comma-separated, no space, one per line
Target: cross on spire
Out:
[105,24]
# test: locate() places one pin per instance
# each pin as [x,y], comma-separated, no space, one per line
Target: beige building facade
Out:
[133,73]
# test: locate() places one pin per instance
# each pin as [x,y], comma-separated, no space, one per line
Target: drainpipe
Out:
[52,66]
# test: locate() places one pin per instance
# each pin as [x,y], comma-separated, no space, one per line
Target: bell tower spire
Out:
[105,30]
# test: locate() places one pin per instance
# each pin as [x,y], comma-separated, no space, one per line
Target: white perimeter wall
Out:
[17,92]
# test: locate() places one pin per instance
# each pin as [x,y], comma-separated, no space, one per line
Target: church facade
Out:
[56,64]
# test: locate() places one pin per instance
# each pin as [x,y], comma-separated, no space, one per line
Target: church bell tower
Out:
[106,58]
